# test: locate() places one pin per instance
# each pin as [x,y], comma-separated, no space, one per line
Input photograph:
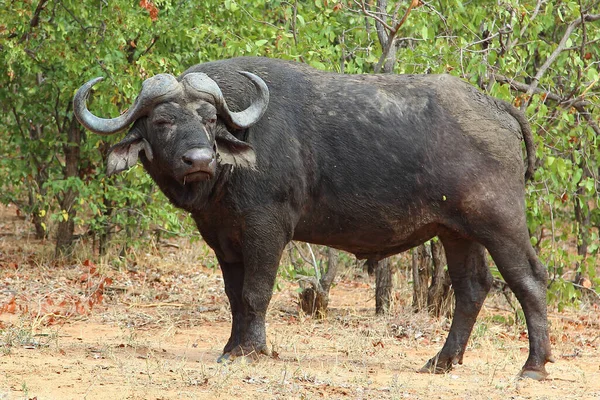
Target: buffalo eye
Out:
[160,122]
[211,120]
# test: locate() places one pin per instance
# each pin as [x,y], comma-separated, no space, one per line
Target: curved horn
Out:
[158,88]
[242,119]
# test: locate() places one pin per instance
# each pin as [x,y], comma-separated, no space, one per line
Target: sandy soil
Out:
[154,329]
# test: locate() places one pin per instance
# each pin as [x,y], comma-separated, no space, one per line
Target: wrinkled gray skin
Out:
[370,164]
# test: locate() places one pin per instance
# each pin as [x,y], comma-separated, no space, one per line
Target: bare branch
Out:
[56,110]
[381,31]
[294,29]
[343,48]
[327,279]
[375,16]
[412,5]
[591,290]
[311,280]
[17,119]
[583,44]
[439,14]
[561,46]
[306,260]
[588,117]
[525,88]
[584,33]
[578,103]
[35,20]
[524,28]
[245,10]
[592,6]
[294,17]
[152,43]
[392,36]
[66,118]
[486,39]
[314,262]
[81,25]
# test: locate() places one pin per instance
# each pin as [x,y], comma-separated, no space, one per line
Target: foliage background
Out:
[543,56]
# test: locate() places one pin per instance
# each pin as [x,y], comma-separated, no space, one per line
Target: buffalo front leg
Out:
[263,242]
[471,280]
[233,277]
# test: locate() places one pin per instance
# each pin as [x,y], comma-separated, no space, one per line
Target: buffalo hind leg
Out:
[471,280]
[527,278]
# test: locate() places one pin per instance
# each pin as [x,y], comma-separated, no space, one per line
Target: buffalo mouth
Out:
[198,176]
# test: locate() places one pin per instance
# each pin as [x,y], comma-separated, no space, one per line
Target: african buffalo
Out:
[370,164]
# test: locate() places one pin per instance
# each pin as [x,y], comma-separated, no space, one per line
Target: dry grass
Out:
[153,328]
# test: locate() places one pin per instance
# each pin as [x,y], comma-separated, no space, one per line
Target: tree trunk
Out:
[439,295]
[386,41]
[429,262]
[64,234]
[583,218]
[105,232]
[421,266]
[370,266]
[41,176]
[39,222]
[314,299]
[383,287]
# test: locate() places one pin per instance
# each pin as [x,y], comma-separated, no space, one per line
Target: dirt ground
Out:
[153,329]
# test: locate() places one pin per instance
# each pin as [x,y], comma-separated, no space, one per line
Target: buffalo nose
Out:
[199,159]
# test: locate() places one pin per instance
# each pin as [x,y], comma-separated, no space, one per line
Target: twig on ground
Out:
[152,305]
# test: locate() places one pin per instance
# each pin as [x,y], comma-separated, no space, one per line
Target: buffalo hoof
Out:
[434,367]
[536,370]
[229,358]
[225,358]
[251,352]
[239,354]
[439,366]
[535,374]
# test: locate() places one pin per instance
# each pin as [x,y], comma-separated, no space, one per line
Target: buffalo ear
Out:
[124,154]
[233,151]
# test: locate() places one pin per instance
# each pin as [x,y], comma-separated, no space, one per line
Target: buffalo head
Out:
[181,125]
